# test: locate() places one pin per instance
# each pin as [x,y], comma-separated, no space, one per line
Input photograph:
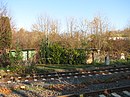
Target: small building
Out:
[27,54]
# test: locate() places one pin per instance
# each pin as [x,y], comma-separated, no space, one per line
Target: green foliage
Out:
[54,53]
[5,33]
[44,51]
[4,60]
[121,62]
[22,69]
[17,64]
[16,56]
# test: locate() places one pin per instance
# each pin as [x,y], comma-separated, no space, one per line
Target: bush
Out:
[22,70]
[5,60]
[17,57]
[54,53]
[120,62]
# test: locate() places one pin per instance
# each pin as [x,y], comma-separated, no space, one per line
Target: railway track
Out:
[111,92]
[43,81]
[68,75]
[86,72]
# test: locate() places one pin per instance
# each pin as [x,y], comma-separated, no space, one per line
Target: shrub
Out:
[120,62]
[17,57]
[54,53]
[5,60]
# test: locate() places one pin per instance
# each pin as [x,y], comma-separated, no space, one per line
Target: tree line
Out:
[53,40]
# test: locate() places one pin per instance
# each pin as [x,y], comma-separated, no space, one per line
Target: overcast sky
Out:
[25,12]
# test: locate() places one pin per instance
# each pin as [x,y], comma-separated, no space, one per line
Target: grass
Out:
[66,67]
[45,68]
[62,67]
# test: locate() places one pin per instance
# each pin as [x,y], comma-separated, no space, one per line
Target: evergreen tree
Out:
[5,33]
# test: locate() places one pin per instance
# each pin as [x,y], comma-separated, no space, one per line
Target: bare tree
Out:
[71,26]
[3,9]
[42,25]
[48,26]
[98,28]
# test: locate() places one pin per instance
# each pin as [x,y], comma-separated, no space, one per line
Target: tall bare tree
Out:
[3,9]
[48,26]
[98,27]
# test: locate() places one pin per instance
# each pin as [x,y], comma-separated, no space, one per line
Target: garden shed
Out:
[26,53]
